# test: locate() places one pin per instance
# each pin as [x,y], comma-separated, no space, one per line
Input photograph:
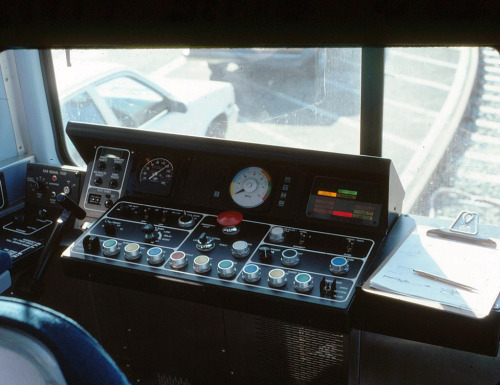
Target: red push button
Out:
[229,218]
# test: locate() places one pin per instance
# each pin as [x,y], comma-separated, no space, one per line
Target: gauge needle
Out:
[237,192]
[157,172]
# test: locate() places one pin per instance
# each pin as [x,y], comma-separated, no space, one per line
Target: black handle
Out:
[71,206]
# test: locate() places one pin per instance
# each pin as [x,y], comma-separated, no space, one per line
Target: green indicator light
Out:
[348,192]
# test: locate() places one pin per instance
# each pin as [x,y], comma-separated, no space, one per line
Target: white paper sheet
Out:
[465,263]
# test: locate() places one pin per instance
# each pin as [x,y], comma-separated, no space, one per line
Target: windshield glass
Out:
[441,107]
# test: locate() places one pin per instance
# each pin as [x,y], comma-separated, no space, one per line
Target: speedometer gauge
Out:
[250,187]
[156,171]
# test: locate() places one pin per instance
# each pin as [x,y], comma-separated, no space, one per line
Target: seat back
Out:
[38,341]
[5,265]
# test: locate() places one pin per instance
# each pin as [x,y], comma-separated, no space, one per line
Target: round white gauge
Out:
[250,187]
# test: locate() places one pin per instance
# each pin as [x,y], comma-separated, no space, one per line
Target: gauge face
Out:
[250,187]
[157,171]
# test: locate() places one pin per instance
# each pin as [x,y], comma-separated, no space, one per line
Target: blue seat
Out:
[5,265]
[41,346]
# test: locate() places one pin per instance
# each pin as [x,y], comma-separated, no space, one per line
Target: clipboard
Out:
[474,305]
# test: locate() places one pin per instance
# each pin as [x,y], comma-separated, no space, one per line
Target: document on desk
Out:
[468,265]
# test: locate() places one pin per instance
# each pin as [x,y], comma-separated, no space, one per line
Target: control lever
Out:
[70,208]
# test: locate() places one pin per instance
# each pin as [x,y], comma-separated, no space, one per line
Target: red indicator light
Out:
[342,214]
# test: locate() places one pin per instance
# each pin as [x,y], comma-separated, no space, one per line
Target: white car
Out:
[116,96]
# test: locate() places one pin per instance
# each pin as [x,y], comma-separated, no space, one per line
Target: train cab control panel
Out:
[262,221]
[27,230]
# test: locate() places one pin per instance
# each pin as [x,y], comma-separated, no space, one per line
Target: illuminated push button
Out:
[277,278]
[186,221]
[226,268]
[178,260]
[155,256]
[277,234]
[303,282]
[240,249]
[339,266]
[290,257]
[110,248]
[132,252]
[251,273]
[201,264]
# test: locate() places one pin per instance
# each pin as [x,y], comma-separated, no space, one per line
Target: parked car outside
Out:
[109,94]
[308,61]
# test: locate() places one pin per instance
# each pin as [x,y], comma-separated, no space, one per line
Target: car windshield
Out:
[440,107]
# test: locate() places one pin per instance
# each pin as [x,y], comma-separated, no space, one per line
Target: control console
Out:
[228,250]
[265,222]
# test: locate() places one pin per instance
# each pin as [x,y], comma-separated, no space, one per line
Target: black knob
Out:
[109,227]
[101,166]
[266,255]
[98,181]
[91,244]
[148,228]
[151,237]
[34,186]
[113,183]
[117,168]
[108,203]
[327,287]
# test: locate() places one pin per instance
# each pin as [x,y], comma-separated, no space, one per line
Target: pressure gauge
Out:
[250,187]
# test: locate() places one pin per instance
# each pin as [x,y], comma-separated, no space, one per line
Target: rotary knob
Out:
[205,243]
[277,234]
[251,273]
[303,282]
[201,264]
[240,249]
[230,222]
[277,278]
[290,257]
[178,260]
[155,256]
[132,252]
[149,232]
[226,268]
[339,265]
[110,248]
[109,227]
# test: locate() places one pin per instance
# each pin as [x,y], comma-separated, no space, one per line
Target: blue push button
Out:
[154,251]
[303,277]
[339,265]
[251,269]
[225,264]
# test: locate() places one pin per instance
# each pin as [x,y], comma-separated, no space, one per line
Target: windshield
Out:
[440,116]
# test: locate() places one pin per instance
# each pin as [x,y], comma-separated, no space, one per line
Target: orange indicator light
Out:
[327,193]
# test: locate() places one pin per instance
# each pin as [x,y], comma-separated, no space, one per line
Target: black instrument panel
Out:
[243,218]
